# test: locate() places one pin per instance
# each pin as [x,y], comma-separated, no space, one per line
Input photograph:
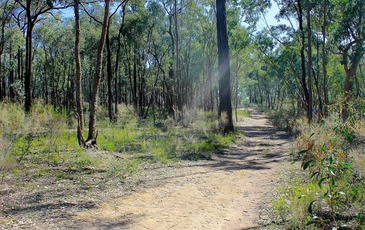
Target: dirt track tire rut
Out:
[224,193]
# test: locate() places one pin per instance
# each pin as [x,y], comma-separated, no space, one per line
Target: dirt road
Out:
[223,193]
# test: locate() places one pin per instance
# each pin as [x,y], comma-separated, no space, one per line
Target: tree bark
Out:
[349,82]
[309,64]
[225,103]
[28,59]
[2,44]
[92,136]
[116,71]
[324,59]
[177,58]
[350,64]
[110,78]
[80,115]
[302,57]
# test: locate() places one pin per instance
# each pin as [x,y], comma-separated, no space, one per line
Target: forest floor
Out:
[233,190]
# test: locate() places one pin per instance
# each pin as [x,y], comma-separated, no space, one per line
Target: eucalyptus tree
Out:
[27,14]
[309,61]
[205,57]
[324,56]
[171,9]
[92,135]
[5,14]
[136,34]
[53,62]
[239,43]
[157,60]
[347,28]
[225,102]
[321,47]
[122,5]
[79,100]
[117,58]
[297,34]
[11,45]
[282,56]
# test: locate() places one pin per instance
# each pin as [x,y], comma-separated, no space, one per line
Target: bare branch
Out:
[90,15]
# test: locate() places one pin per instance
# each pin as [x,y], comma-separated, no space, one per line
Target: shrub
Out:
[283,119]
[12,123]
[324,150]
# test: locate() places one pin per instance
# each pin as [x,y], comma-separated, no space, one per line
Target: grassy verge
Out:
[43,143]
[45,175]
[329,192]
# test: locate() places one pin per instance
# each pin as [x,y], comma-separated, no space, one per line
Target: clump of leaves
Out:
[325,154]
[283,118]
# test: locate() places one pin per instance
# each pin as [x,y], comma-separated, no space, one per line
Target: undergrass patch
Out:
[330,153]
[242,113]
[291,206]
[283,118]
[207,146]
[121,168]
[42,146]
[118,139]
[165,141]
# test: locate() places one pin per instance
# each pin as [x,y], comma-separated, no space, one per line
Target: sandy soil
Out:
[224,193]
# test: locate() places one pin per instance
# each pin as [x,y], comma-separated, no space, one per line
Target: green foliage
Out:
[39,137]
[214,143]
[283,118]
[164,142]
[42,146]
[325,151]
[118,139]
[121,167]
[164,147]
[243,113]
[82,160]
[292,204]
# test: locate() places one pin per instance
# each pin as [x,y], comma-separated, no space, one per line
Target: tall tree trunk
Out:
[11,75]
[316,78]
[2,88]
[236,94]
[116,70]
[4,18]
[91,139]
[302,57]
[177,58]
[19,69]
[28,60]
[225,103]
[349,82]
[110,78]
[169,87]
[80,115]
[1,79]
[309,63]
[135,102]
[324,59]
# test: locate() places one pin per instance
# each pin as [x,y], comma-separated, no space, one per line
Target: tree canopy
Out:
[163,55]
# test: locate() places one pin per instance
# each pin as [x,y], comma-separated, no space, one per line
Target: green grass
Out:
[115,139]
[292,204]
[42,141]
[243,113]
[331,156]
